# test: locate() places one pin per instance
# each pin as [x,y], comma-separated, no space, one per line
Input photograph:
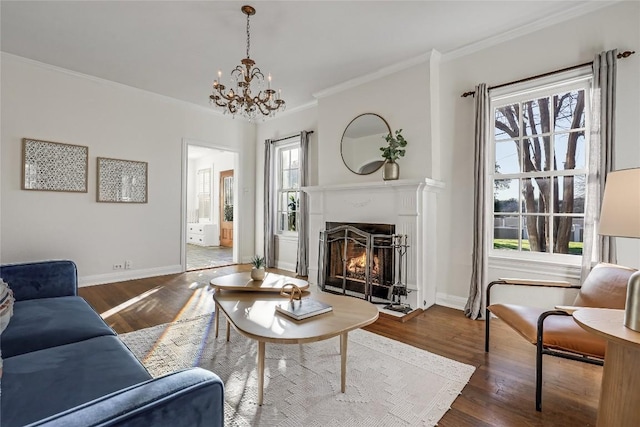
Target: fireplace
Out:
[358,259]
[410,205]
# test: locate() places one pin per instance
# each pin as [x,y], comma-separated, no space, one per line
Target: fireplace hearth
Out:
[358,259]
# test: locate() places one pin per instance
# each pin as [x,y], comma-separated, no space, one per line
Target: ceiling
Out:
[175,48]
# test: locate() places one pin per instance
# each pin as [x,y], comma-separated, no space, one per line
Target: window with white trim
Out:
[204,195]
[288,186]
[538,171]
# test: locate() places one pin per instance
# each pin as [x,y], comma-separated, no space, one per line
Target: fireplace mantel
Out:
[408,204]
[376,185]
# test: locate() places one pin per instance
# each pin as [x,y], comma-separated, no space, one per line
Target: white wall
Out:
[113,120]
[562,45]
[402,99]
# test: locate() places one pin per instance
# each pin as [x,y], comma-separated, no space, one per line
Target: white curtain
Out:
[302,263]
[479,263]
[601,158]
[269,213]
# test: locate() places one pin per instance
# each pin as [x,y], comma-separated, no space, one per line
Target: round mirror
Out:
[361,142]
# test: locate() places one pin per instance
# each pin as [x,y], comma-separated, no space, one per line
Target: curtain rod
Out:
[289,137]
[625,54]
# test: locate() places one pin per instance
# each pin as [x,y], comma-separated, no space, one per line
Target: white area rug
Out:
[388,383]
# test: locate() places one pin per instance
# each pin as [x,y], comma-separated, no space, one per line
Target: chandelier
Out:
[248,77]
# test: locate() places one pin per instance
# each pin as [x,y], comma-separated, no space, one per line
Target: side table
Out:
[620,392]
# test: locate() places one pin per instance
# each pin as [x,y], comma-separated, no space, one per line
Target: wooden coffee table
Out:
[242,282]
[253,315]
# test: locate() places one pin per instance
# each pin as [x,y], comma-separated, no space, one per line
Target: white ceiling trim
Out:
[110,83]
[383,72]
[558,18]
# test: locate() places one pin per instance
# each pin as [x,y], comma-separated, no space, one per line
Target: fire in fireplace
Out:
[358,260]
[356,268]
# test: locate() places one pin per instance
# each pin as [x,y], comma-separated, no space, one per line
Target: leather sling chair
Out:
[555,332]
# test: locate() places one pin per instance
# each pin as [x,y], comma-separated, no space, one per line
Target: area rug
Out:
[388,383]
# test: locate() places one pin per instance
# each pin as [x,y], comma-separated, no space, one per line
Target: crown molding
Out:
[532,27]
[111,83]
[383,72]
[288,112]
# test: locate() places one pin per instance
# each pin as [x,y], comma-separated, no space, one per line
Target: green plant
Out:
[395,147]
[293,207]
[258,261]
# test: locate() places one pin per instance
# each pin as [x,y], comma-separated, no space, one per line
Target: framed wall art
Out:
[54,166]
[122,181]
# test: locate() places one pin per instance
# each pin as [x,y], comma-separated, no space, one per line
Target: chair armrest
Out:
[569,309]
[534,282]
[45,279]
[187,398]
[526,282]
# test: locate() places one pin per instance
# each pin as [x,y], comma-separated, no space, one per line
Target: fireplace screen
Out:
[358,260]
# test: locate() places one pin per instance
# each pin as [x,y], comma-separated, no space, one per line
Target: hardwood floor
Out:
[500,392]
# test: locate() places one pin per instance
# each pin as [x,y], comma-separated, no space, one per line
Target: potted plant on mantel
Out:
[392,152]
[258,271]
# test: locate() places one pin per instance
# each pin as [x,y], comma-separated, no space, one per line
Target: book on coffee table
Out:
[304,308]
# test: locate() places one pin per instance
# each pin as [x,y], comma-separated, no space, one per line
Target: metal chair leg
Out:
[486,330]
[539,372]
[487,314]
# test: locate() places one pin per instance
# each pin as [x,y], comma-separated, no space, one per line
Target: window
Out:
[288,185]
[539,174]
[204,194]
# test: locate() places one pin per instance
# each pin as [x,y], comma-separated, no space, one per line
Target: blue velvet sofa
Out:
[63,366]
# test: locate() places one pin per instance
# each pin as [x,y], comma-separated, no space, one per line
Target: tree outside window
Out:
[540,170]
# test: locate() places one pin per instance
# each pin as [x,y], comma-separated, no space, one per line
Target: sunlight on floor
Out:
[200,302]
[129,303]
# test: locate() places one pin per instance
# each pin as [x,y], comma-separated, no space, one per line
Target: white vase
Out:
[258,273]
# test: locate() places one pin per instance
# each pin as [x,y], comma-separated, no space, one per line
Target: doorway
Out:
[208,206]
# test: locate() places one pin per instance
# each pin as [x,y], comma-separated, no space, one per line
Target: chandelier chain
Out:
[248,36]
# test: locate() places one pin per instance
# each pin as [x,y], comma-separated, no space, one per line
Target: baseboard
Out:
[286,266]
[121,276]
[451,301]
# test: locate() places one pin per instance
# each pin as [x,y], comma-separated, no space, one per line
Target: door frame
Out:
[221,177]
[186,142]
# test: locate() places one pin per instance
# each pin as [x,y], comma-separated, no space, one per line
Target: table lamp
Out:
[620,216]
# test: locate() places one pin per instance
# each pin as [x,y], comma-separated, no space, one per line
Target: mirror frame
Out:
[342,142]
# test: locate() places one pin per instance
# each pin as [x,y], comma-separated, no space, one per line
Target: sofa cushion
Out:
[44,279]
[48,322]
[42,383]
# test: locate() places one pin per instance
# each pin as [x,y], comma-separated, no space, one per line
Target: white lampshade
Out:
[620,215]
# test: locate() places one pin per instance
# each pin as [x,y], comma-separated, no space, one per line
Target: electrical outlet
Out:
[118,266]
[127,264]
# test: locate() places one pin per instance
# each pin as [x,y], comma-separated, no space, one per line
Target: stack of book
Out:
[303,308]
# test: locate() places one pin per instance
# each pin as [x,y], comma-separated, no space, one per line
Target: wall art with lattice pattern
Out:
[122,181]
[53,166]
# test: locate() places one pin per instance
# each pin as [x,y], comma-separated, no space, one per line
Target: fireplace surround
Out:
[408,205]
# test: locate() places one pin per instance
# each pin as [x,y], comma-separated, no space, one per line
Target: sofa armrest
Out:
[45,279]
[188,398]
